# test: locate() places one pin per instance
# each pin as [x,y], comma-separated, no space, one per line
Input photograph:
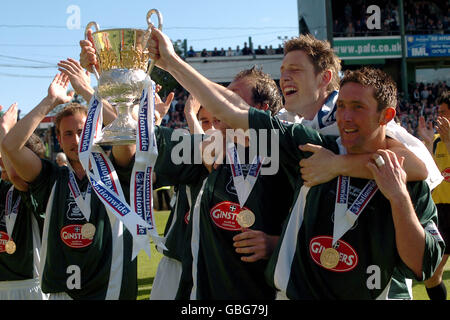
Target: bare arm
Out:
[426,132]
[81,84]
[190,112]
[162,107]
[443,128]
[25,162]
[409,233]
[317,169]
[123,154]
[223,103]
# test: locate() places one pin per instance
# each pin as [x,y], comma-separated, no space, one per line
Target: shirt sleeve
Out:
[41,187]
[434,244]
[285,138]
[179,160]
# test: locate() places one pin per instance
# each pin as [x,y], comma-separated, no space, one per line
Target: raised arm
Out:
[443,128]
[25,162]
[80,81]
[426,132]
[221,102]
[191,108]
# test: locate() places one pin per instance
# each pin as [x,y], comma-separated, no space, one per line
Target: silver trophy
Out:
[124,71]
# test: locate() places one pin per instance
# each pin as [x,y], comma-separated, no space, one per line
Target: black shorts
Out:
[443,210]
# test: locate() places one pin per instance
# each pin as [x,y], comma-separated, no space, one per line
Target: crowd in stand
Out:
[244,51]
[421,17]
[421,100]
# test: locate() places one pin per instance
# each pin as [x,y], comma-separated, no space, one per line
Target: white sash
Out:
[344,217]
[243,185]
[11,211]
[83,203]
[104,179]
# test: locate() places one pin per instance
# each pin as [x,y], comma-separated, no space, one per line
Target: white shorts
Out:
[29,289]
[281,295]
[167,279]
[59,296]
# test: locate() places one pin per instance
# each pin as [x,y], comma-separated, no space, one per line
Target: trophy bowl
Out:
[124,71]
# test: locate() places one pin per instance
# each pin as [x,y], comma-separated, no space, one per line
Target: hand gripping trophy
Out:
[124,71]
[124,81]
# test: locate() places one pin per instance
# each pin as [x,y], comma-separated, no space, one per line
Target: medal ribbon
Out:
[11,213]
[243,185]
[104,179]
[84,204]
[345,218]
[141,191]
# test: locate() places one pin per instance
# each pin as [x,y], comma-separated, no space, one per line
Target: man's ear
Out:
[387,115]
[327,75]
[264,106]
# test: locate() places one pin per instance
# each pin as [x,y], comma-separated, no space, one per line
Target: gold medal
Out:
[10,247]
[88,231]
[246,218]
[329,258]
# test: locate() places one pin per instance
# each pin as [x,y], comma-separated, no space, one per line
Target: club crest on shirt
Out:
[187,216]
[224,215]
[71,236]
[3,239]
[446,174]
[73,211]
[348,259]
[230,185]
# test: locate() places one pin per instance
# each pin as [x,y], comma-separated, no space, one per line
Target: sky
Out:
[36,35]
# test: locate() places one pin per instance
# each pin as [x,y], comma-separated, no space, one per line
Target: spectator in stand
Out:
[424,93]
[222,52]
[270,50]
[359,28]
[229,52]
[238,51]
[279,50]
[204,53]
[260,51]
[410,27]
[191,52]
[350,30]
[440,27]
[337,28]
[61,159]
[246,51]
[215,52]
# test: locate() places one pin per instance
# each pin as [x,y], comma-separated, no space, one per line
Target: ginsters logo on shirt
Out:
[224,215]
[3,240]
[348,259]
[446,174]
[71,236]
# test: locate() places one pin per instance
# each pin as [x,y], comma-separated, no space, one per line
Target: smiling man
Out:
[381,231]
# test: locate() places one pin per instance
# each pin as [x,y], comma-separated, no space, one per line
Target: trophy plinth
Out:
[124,71]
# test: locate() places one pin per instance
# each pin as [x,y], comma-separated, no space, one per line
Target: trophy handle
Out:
[150,24]
[89,26]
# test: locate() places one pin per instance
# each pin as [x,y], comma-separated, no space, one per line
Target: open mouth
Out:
[288,91]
